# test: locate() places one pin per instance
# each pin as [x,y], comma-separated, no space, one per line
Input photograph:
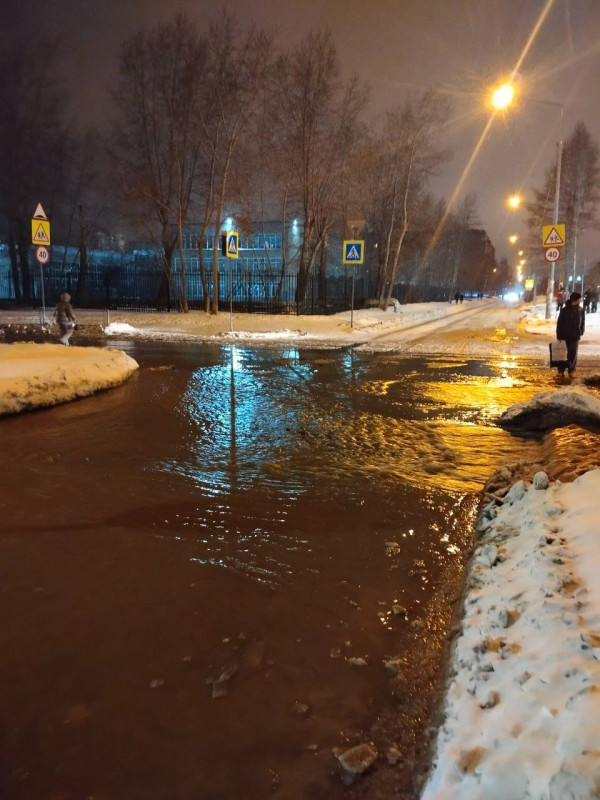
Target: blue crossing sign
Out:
[354,251]
[231,244]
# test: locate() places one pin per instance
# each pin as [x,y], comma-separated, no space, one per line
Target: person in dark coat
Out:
[65,317]
[570,327]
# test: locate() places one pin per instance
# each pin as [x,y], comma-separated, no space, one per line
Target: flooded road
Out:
[204,570]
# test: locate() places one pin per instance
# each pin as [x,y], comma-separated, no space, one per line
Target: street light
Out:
[514,201]
[512,239]
[502,97]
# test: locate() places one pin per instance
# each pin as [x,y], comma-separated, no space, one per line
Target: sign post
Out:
[230,248]
[40,236]
[553,238]
[354,253]
[550,292]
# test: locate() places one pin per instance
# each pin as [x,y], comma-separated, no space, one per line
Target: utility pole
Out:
[550,294]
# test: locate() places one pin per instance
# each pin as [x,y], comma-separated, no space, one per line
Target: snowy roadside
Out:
[534,321]
[37,375]
[521,710]
[341,329]
[524,680]
[336,329]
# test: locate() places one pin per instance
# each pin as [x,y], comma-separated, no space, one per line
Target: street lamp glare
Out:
[503,96]
[514,201]
[512,239]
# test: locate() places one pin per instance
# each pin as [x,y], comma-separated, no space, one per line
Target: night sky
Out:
[459,46]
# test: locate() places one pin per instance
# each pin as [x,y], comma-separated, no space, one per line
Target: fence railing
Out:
[260,292]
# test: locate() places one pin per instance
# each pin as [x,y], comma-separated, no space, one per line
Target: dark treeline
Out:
[217,121]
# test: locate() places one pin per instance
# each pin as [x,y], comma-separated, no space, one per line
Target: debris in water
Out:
[357,759]
[357,661]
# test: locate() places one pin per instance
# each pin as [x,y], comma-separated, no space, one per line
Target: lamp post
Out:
[502,97]
[559,147]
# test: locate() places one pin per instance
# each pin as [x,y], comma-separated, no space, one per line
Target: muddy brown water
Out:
[245,523]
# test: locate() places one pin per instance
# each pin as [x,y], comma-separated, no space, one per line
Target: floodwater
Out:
[204,570]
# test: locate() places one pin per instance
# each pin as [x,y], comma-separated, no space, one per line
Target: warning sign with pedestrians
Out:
[40,231]
[354,251]
[230,244]
[553,235]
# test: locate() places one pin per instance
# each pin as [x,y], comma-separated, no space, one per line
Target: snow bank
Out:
[35,375]
[119,327]
[523,706]
[564,406]
[267,335]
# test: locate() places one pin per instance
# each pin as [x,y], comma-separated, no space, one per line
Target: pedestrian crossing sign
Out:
[40,231]
[230,244]
[553,236]
[354,251]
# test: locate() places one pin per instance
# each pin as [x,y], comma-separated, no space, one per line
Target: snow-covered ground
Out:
[36,375]
[337,329]
[521,709]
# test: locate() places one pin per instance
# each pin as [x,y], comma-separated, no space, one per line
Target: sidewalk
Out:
[342,329]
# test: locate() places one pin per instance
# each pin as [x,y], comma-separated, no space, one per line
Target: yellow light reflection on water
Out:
[478,395]
[379,388]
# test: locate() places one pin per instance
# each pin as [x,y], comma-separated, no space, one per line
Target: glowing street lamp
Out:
[514,201]
[503,96]
[512,239]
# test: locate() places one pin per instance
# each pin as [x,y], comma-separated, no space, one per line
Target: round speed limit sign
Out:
[552,254]
[42,255]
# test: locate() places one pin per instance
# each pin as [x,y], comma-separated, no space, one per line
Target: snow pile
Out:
[119,327]
[282,334]
[34,375]
[535,322]
[564,406]
[522,709]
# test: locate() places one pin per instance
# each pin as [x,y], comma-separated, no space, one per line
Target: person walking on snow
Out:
[570,327]
[560,299]
[63,314]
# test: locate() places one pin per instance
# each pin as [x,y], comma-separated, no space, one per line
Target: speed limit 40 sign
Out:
[552,254]
[42,255]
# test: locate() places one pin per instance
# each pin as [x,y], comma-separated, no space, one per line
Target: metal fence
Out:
[129,287]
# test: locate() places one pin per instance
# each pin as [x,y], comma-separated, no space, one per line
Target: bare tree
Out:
[87,199]
[238,64]
[405,155]
[321,118]
[579,194]
[33,147]
[155,137]
[460,223]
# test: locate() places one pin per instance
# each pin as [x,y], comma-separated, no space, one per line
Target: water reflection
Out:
[305,420]
[226,503]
